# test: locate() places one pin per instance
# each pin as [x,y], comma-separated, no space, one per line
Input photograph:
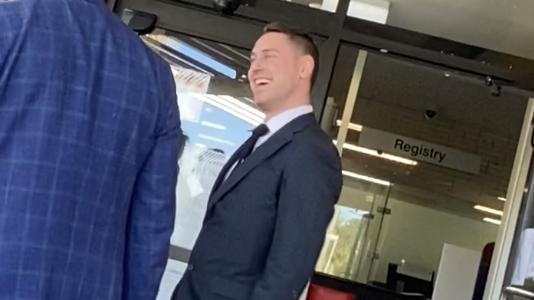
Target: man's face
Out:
[274,70]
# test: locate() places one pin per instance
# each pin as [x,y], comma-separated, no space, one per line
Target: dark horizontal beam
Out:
[514,70]
[312,20]
[202,23]
[197,18]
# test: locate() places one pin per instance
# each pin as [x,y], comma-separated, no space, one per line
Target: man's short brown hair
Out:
[301,39]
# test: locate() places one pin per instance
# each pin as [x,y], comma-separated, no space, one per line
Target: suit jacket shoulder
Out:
[312,140]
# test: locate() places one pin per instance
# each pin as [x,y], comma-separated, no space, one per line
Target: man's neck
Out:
[294,103]
[271,114]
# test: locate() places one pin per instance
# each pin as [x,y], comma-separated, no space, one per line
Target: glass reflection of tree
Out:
[348,229]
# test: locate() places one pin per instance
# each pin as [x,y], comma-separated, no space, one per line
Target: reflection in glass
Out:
[217,113]
[352,235]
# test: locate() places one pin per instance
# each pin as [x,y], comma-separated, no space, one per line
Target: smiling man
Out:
[271,204]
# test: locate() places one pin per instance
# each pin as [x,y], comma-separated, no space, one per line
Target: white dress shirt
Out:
[281,120]
[275,124]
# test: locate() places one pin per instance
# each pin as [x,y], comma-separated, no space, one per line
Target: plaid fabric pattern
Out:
[89,132]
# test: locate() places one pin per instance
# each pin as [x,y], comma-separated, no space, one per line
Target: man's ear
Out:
[306,66]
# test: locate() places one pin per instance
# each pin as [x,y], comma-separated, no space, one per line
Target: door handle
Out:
[515,291]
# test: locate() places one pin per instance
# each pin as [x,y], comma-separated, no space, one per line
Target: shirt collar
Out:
[280,120]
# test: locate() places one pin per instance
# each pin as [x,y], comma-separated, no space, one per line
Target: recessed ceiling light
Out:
[375,153]
[492,221]
[488,210]
[366,178]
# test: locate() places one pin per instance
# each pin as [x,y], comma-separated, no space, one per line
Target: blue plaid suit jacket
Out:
[89,134]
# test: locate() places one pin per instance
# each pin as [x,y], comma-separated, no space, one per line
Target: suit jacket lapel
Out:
[224,170]
[271,146]
[259,155]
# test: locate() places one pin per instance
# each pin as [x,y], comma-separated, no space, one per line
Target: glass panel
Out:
[520,271]
[216,112]
[444,142]
[352,233]
[370,10]
[326,5]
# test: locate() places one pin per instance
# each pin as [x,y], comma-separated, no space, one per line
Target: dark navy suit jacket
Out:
[265,224]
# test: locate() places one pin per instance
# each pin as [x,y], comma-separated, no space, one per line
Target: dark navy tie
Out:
[242,152]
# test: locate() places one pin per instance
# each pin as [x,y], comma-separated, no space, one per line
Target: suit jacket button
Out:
[190,267]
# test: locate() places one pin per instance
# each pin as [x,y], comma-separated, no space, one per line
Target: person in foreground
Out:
[273,200]
[89,141]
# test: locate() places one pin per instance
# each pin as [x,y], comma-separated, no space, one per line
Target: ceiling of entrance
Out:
[504,26]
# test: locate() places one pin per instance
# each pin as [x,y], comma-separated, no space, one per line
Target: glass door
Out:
[351,236]
[513,275]
[217,114]
[442,144]
[519,279]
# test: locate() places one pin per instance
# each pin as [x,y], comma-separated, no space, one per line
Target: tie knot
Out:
[261,130]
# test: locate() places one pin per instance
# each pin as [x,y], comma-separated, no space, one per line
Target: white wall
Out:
[417,234]
[457,273]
